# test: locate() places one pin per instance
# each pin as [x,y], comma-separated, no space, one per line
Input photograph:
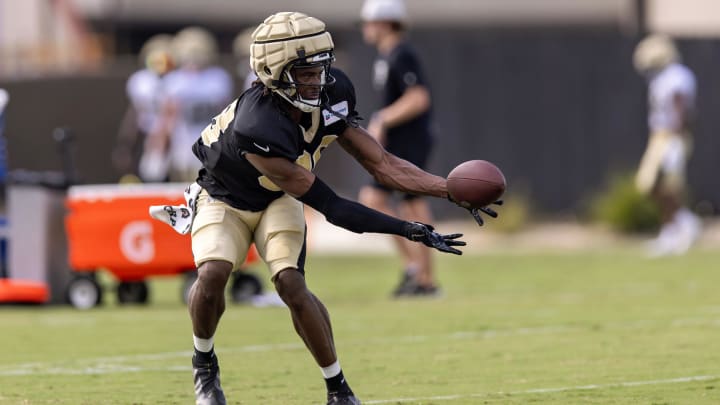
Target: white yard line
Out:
[125,364]
[118,364]
[549,390]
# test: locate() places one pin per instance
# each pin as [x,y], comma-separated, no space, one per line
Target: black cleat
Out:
[429,291]
[419,291]
[406,285]
[207,382]
[342,398]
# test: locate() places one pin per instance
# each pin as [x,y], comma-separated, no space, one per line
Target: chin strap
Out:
[298,102]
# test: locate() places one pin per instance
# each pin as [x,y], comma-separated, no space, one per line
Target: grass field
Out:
[582,328]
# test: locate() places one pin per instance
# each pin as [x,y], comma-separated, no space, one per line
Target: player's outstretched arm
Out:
[397,173]
[419,232]
[389,169]
[303,185]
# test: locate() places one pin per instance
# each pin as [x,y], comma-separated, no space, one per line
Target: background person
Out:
[671,112]
[4,100]
[144,90]
[402,126]
[192,95]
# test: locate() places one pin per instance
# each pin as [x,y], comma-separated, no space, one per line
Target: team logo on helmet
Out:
[289,40]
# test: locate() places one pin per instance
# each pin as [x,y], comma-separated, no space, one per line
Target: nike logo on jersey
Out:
[262,148]
[340,108]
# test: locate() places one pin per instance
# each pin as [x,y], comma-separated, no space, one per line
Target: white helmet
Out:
[195,46]
[654,53]
[287,40]
[384,10]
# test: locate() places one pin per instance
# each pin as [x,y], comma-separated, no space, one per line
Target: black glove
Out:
[418,232]
[476,211]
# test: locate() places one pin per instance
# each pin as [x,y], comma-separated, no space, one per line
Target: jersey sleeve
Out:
[406,70]
[684,83]
[343,102]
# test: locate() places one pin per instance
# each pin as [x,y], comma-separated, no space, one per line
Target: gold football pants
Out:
[221,232]
[664,163]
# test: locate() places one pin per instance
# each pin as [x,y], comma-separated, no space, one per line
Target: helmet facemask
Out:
[291,88]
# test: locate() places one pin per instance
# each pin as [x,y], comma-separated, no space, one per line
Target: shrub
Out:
[623,208]
[514,213]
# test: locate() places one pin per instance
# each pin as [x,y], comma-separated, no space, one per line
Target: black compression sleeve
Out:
[349,214]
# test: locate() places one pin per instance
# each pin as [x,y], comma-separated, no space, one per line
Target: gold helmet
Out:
[241,50]
[654,53]
[242,43]
[195,46]
[287,40]
[156,53]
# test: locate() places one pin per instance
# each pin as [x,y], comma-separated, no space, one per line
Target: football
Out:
[476,183]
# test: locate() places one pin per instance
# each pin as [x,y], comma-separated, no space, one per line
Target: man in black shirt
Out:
[257,156]
[402,126]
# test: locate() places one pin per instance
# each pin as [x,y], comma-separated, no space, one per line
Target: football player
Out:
[258,155]
[144,90]
[402,126]
[192,95]
[4,99]
[671,97]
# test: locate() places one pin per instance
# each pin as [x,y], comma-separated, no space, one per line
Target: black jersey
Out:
[392,76]
[258,122]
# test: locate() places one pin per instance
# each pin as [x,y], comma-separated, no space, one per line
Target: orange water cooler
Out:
[108,227]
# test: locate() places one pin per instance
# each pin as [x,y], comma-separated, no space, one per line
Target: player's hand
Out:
[476,212]
[418,232]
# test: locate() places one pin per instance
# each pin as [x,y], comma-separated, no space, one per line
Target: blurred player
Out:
[257,158]
[4,99]
[662,171]
[192,95]
[144,91]
[402,126]
[241,51]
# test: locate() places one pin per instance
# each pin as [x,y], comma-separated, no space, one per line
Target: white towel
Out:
[179,217]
